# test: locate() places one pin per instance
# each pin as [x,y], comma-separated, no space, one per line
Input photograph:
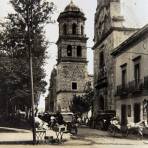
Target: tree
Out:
[82,104]
[78,105]
[14,46]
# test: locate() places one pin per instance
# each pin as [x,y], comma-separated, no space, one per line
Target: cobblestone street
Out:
[85,138]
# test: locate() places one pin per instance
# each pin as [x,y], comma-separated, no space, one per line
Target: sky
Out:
[134,11]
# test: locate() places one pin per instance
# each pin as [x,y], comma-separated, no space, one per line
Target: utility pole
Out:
[29,26]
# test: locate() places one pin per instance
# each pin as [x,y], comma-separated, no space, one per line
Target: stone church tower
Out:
[72,52]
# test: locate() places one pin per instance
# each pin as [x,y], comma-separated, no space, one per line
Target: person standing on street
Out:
[59,118]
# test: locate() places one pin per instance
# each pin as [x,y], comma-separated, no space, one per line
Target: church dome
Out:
[71,11]
[71,7]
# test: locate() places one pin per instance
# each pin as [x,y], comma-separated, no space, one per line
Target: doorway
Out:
[137,111]
[123,115]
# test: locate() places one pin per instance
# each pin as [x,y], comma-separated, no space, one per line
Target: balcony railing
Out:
[122,90]
[102,73]
[102,77]
[136,86]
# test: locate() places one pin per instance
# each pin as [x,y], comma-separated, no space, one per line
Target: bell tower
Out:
[72,56]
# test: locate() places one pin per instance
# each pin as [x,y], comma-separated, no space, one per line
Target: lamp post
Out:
[29,27]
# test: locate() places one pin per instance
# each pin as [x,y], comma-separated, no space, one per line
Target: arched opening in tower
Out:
[74,27]
[64,29]
[69,50]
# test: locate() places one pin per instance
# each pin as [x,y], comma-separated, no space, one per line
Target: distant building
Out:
[109,33]
[50,101]
[89,84]
[71,72]
[131,81]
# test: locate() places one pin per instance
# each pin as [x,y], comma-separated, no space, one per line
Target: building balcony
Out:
[136,86]
[102,78]
[102,73]
[122,90]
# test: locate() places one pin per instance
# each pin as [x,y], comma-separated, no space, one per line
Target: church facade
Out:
[109,33]
[71,69]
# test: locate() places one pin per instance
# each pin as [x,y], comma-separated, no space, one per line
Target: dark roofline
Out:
[123,46]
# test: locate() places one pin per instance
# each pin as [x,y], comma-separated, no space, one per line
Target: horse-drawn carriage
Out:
[70,122]
[65,118]
[116,128]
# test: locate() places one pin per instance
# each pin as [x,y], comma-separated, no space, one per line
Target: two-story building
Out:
[131,77]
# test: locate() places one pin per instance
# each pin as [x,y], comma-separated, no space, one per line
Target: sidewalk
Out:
[21,136]
[14,135]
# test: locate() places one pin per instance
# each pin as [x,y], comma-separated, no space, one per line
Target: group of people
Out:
[56,120]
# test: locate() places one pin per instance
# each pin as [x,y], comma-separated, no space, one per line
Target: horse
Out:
[136,128]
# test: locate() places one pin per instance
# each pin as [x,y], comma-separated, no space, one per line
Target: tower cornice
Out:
[71,14]
[71,37]
[69,59]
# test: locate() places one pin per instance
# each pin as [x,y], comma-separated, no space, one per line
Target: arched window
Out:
[64,29]
[79,51]
[69,50]
[82,30]
[74,27]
